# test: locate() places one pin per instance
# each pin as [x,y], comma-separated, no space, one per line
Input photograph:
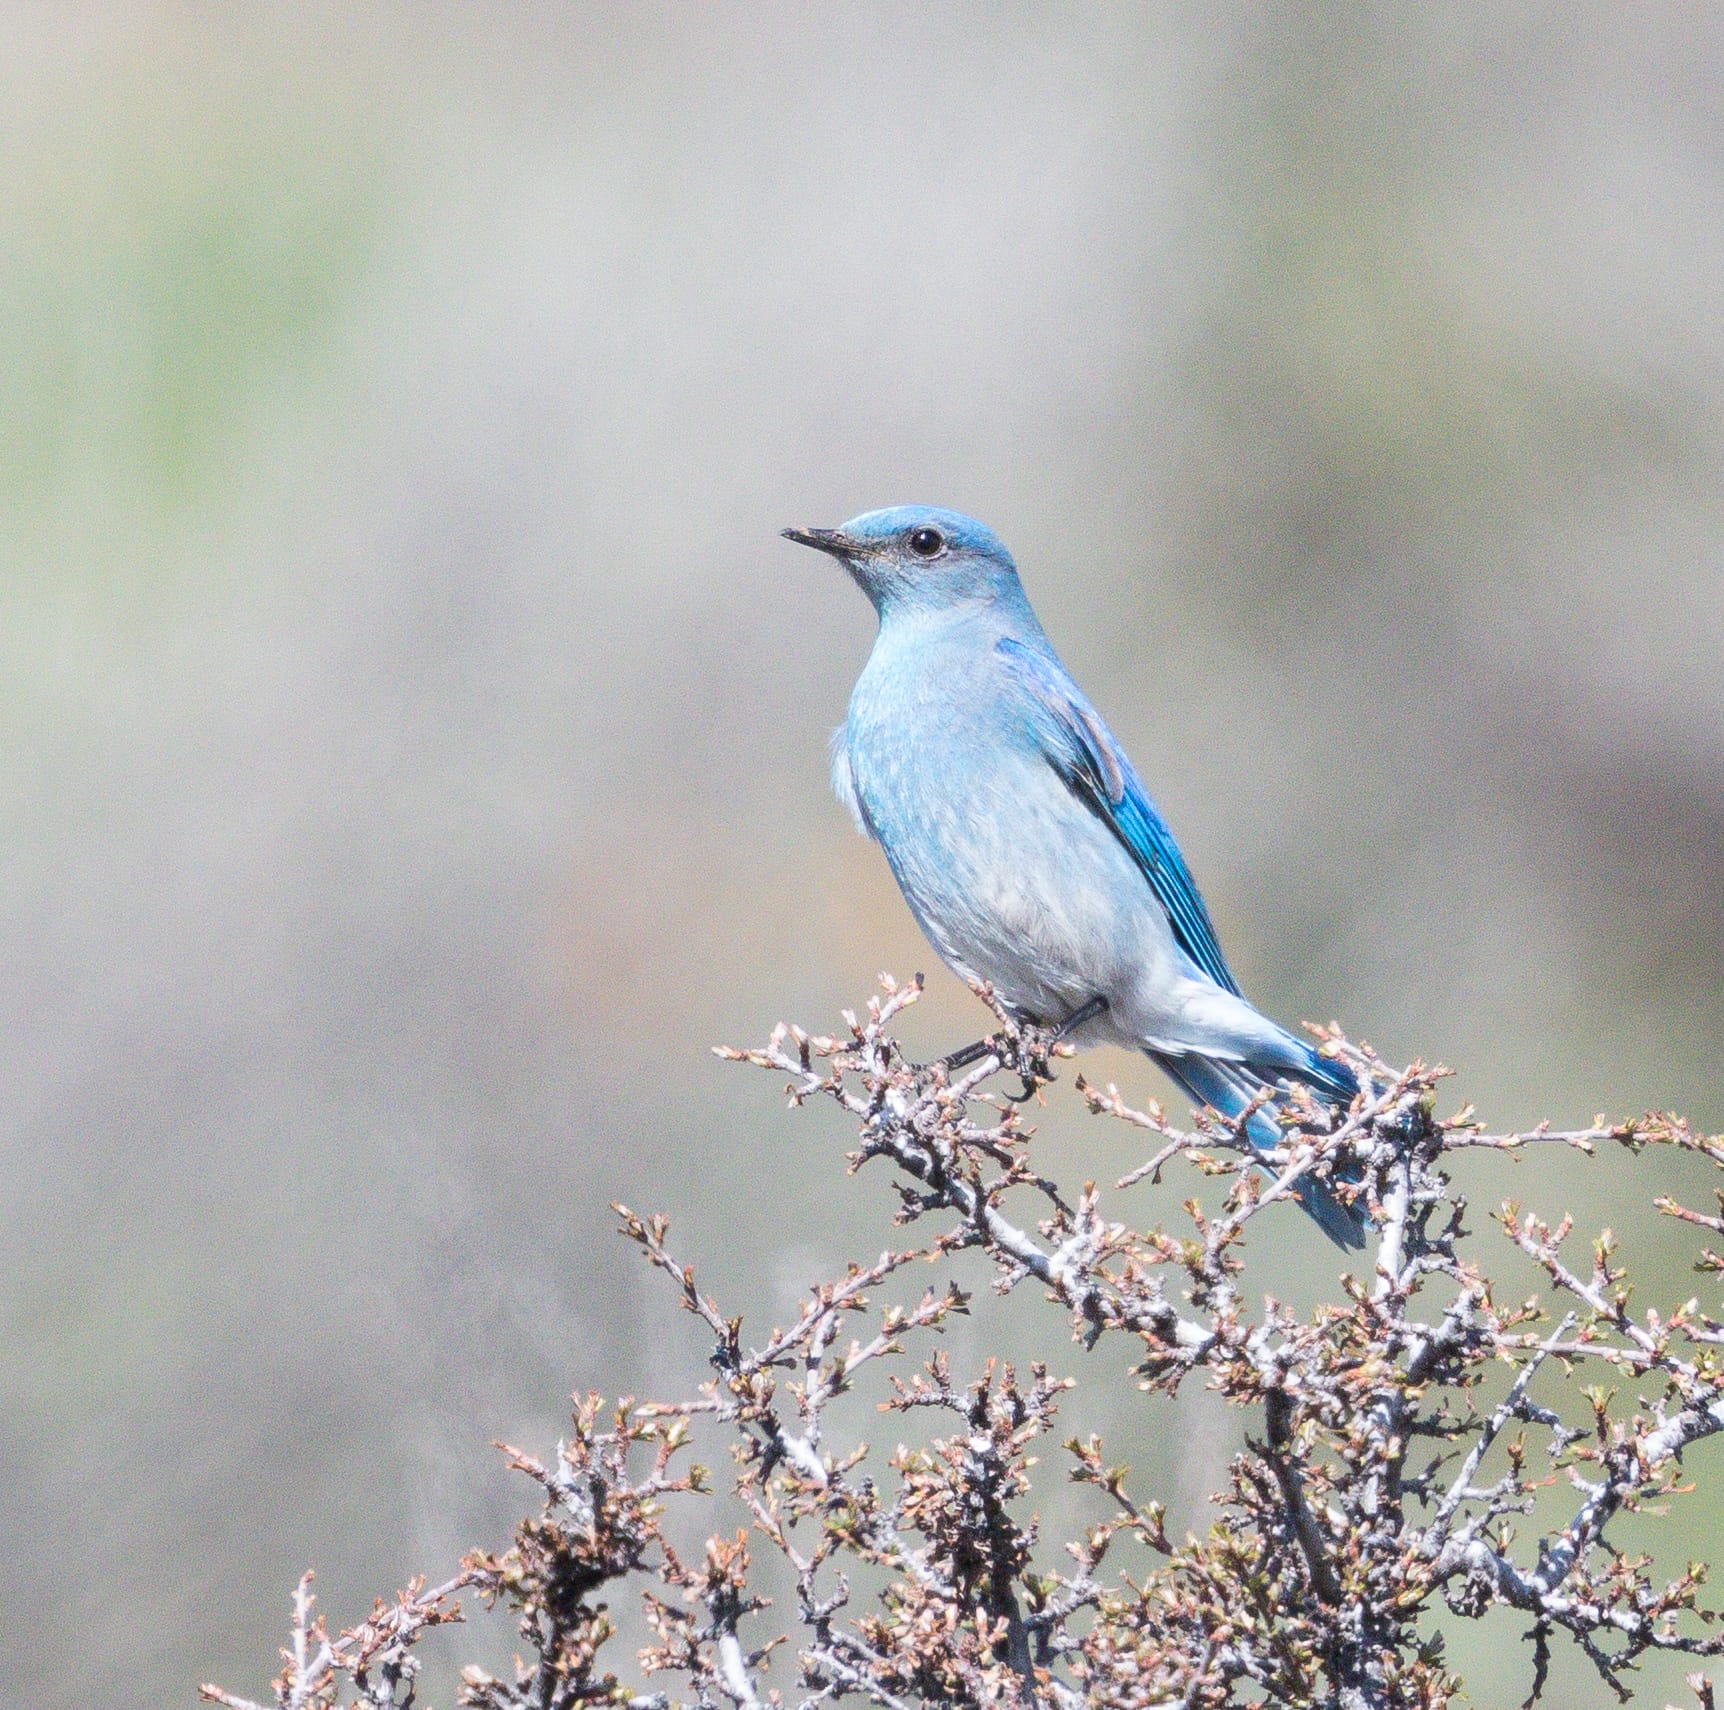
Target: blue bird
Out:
[1026,847]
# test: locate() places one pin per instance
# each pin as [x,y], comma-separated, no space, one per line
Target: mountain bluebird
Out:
[1023,842]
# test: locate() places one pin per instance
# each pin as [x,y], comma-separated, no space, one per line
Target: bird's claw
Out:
[1028,1054]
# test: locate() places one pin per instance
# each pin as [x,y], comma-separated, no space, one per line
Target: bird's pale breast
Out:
[1011,876]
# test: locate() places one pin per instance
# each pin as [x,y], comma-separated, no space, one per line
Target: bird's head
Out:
[918,558]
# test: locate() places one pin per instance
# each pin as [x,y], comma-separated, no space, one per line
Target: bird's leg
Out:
[1037,1061]
[998,1043]
[1079,1017]
[968,1054]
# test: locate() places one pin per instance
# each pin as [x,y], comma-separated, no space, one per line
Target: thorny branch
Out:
[1410,1443]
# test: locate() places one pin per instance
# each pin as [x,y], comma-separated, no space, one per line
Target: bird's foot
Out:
[1004,1046]
[1026,1050]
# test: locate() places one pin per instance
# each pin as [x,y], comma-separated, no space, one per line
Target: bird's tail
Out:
[1229,1087]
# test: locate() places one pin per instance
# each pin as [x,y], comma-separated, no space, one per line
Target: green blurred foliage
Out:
[173,256]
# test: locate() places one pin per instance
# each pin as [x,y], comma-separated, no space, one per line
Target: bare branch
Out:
[1410,1426]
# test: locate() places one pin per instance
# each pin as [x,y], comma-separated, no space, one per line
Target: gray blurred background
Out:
[415,729]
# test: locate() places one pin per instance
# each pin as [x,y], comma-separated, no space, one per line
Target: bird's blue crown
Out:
[962,534]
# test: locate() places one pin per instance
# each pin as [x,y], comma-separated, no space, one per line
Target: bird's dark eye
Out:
[927,543]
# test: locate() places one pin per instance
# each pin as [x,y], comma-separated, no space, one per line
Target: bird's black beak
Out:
[830,540]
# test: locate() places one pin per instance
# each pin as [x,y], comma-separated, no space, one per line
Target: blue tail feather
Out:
[1325,1075]
[1228,1087]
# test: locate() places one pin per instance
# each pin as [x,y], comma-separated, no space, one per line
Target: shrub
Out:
[1402,1436]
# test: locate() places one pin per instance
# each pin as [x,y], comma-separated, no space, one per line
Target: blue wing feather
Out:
[1083,751]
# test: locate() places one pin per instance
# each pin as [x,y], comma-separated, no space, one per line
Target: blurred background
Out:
[415,730]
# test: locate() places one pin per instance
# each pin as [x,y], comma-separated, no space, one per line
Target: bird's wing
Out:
[1082,750]
[844,781]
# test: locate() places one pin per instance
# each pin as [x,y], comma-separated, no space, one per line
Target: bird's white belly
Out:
[1027,889]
